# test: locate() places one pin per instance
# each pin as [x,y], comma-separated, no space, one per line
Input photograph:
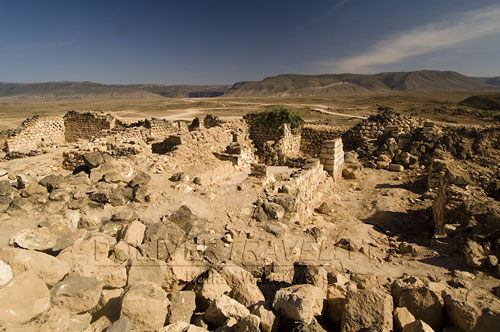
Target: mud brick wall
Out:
[332,157]
[86,125]
[313,136]
[36,132]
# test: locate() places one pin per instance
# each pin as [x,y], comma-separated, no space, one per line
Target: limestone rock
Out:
[249,323]
[402,317]
[222,308]
[48,268]
[134,233]
[310,274]
[150,270]
[474,254]
[23,298]
[335,303]
[93,159]
[472,311]
[78,294]
[183,304]
[121,325]
[273,210]
[146,305]
[268,320]
[140,179]
[425,304]
[300,302]
[417,326]
[39,238]
[207,287]
[367,309]
[5,273]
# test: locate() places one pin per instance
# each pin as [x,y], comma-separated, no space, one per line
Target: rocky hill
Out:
[485,102]
[417,81]
[61,90]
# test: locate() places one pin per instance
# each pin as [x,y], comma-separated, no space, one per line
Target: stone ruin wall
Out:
[306,184]
[313,136]
[86,125]
[36,132]
[332,157]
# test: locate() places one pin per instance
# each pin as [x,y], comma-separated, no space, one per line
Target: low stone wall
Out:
[332,157]
[86,125]
[261,133]
[72,159]
[313,136]
[34,133]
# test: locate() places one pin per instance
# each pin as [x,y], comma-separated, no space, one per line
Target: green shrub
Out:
[279,115]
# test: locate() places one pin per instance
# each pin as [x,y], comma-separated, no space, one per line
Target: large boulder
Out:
[402,317]
[472,311]
[78,294]
[134,233]
[23,298]
[48,268]
[300,302]
[250,323]
[150,270]
[424,304]
[39,238]
[417,326]
[146,305]
[222,308]
[183,304]
[367,309]
[207,287]
[268,320]
[5,273]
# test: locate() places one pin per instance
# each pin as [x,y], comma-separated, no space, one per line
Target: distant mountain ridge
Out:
[281,85]
[416,81]
[89,89]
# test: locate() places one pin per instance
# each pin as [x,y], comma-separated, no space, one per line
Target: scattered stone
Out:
[5,273]
[474,254]
[273,210]
[396,168]
[146,305]
[268,320]
[222,308]
[93,159]
[324,208]
[48,268]
[417,326]
[207,287]
[39,238]
[367,309]
[300,302]
[77,294]
[182,307]
[140,179]
[402,317]
[121,325]
[23,298]
[134,233]
[249,323]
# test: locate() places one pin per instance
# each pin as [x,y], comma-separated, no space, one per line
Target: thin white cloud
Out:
[431,37]
[329,12]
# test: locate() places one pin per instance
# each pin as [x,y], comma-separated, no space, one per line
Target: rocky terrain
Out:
[249,225]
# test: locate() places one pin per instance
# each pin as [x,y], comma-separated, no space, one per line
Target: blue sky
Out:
[221,42]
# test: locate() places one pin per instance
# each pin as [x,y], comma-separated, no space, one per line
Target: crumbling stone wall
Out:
[161,128]
[313,136]
[34,133]
[261,133]
[86,125]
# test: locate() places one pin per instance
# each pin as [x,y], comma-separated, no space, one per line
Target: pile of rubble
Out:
[393,141]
